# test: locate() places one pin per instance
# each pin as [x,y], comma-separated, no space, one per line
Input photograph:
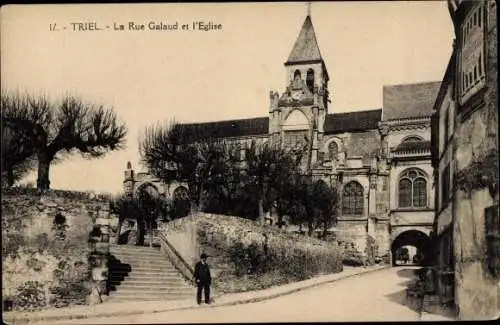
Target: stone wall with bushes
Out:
[245,257]
[52,250]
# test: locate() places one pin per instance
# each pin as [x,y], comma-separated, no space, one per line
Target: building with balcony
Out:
[465,160]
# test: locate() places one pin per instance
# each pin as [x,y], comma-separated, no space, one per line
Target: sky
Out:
[150,76]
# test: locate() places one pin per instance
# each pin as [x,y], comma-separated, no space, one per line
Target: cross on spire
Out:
[309,8]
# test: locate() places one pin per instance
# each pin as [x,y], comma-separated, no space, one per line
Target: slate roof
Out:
[306,46]
[352,121]
[231,128]
[334,123]
[409,100]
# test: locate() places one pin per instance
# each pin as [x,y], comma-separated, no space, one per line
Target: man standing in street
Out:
[203,279]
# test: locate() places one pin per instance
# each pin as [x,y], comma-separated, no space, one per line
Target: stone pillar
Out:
[104,221]
[128,182]
[341,158]
[372,197]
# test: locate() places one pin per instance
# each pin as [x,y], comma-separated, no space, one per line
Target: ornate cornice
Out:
[412,123]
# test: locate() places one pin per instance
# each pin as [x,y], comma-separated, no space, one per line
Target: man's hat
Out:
[203,255]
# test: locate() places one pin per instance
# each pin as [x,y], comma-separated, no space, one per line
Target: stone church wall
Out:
[352,231]
[382,238]
[362,143]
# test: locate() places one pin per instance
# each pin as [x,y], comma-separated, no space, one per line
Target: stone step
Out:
[140,258]
[154,274]
[153,281]
[148,298]
[164,279]
[124,262]
[152,294]
[143,273]
[141,283]
[147,274]
[135,251]
[132,247]
[142,266]
[181,287]
[167,270]
[117,278]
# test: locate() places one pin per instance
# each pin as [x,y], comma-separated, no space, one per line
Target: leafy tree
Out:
[285,190]
[313,203]
[325,201]
[53,128]
[144,208]
[267,168]
[124,207]
[150,207]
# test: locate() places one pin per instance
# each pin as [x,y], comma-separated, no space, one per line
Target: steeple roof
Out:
[306,46]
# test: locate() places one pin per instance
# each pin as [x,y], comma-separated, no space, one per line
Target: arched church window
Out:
[352,199]
[310,79]
[333,150]
[297,75]
[412,189]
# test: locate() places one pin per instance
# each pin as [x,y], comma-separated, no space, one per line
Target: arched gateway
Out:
[416,238]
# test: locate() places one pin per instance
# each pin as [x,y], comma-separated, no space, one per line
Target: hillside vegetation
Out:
[245,256]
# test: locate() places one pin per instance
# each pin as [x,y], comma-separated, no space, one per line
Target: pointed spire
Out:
[306,46]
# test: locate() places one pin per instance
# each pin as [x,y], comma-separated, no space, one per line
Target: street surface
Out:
[376,296]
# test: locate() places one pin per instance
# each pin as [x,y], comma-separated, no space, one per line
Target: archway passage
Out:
[181,205]
[417,239]
[149,209]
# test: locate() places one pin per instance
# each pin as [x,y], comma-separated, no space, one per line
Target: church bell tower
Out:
[297,115]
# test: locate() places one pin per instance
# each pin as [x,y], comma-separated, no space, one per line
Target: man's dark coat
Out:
[202,273]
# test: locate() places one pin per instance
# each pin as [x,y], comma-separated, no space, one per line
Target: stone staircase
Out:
[143,273]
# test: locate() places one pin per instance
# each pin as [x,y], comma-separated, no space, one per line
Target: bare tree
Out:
[69,126]
[17,152]
[17,156]
[173,151]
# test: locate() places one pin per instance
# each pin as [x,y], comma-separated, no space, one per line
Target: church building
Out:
[379,159]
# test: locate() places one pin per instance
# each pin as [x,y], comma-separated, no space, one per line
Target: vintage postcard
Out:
[250,162]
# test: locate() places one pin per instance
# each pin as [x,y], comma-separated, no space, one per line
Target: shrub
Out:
[36,264]
[255,253]
[11,242]
[247,260]
[60,226]
[31,296]
[353,257]
[70,285]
